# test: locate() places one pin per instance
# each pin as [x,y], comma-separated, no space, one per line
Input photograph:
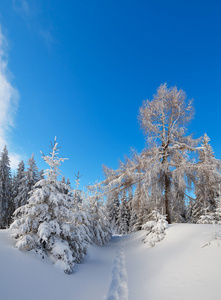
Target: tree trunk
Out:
[166,194]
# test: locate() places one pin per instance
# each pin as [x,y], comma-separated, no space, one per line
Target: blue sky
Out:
[82,69]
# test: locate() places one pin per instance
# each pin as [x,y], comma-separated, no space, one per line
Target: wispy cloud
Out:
[31,13]
[22,7]
[8,100]
[47,37]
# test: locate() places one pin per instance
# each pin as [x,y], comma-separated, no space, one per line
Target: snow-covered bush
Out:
[46,224]
[214,238]
[155,228]
[218,210]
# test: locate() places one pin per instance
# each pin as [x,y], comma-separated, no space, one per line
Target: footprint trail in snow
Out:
[118,287]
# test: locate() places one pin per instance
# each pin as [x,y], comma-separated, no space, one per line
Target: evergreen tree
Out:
[14,189]
[133,221]
[156,228]
[197,211]
[208,177]
[218,210]
[46,223]
[99,221]
[123,219]
[6,202]
[112,208]
[32,173]
[21,186]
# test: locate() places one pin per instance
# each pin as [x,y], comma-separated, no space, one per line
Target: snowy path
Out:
[118,288]
[178,268]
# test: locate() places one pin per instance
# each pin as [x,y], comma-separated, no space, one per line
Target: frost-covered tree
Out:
[112,208]
[99,221]
[207,218]
[165,168]
[218,210]
[46,223]
[6,203]
[133,221]
[207,183]
[32,173]
[77,193]
[123,216]
[164,121]
[21,186]
[156,228]
[141,205]
[196,211]
[14,189]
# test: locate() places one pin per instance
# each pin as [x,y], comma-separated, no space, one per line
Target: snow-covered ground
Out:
[177,268]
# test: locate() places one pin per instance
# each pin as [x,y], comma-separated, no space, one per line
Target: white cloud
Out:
[22,7]
[8,101]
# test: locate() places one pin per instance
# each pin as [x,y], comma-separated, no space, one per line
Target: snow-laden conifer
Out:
[197,211]
[21,185]
[133,221]
[46,223]
[207,184]
[156,228]
[32,173]
[208,218]
[218,210]
[6,203]
[100,226]
[123,216]
[112,209]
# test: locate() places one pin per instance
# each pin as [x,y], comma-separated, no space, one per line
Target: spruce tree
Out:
[112,208]
[156,228]
[123,219]
[6,202]
[46,223]
[32,173]
[208,177]
[21,184]
[100,226]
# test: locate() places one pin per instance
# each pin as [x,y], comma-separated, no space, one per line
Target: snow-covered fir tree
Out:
[156,228]
[99,221]
[6,202]
[195,210]
[21,185]
[206,218]
[46,223]
[218,210]
[14,189]
[32,173]
[208,178]
[140,206]
[133,221]
[123,216]
[112,208]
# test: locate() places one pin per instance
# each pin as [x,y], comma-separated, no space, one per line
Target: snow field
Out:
[177,268]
